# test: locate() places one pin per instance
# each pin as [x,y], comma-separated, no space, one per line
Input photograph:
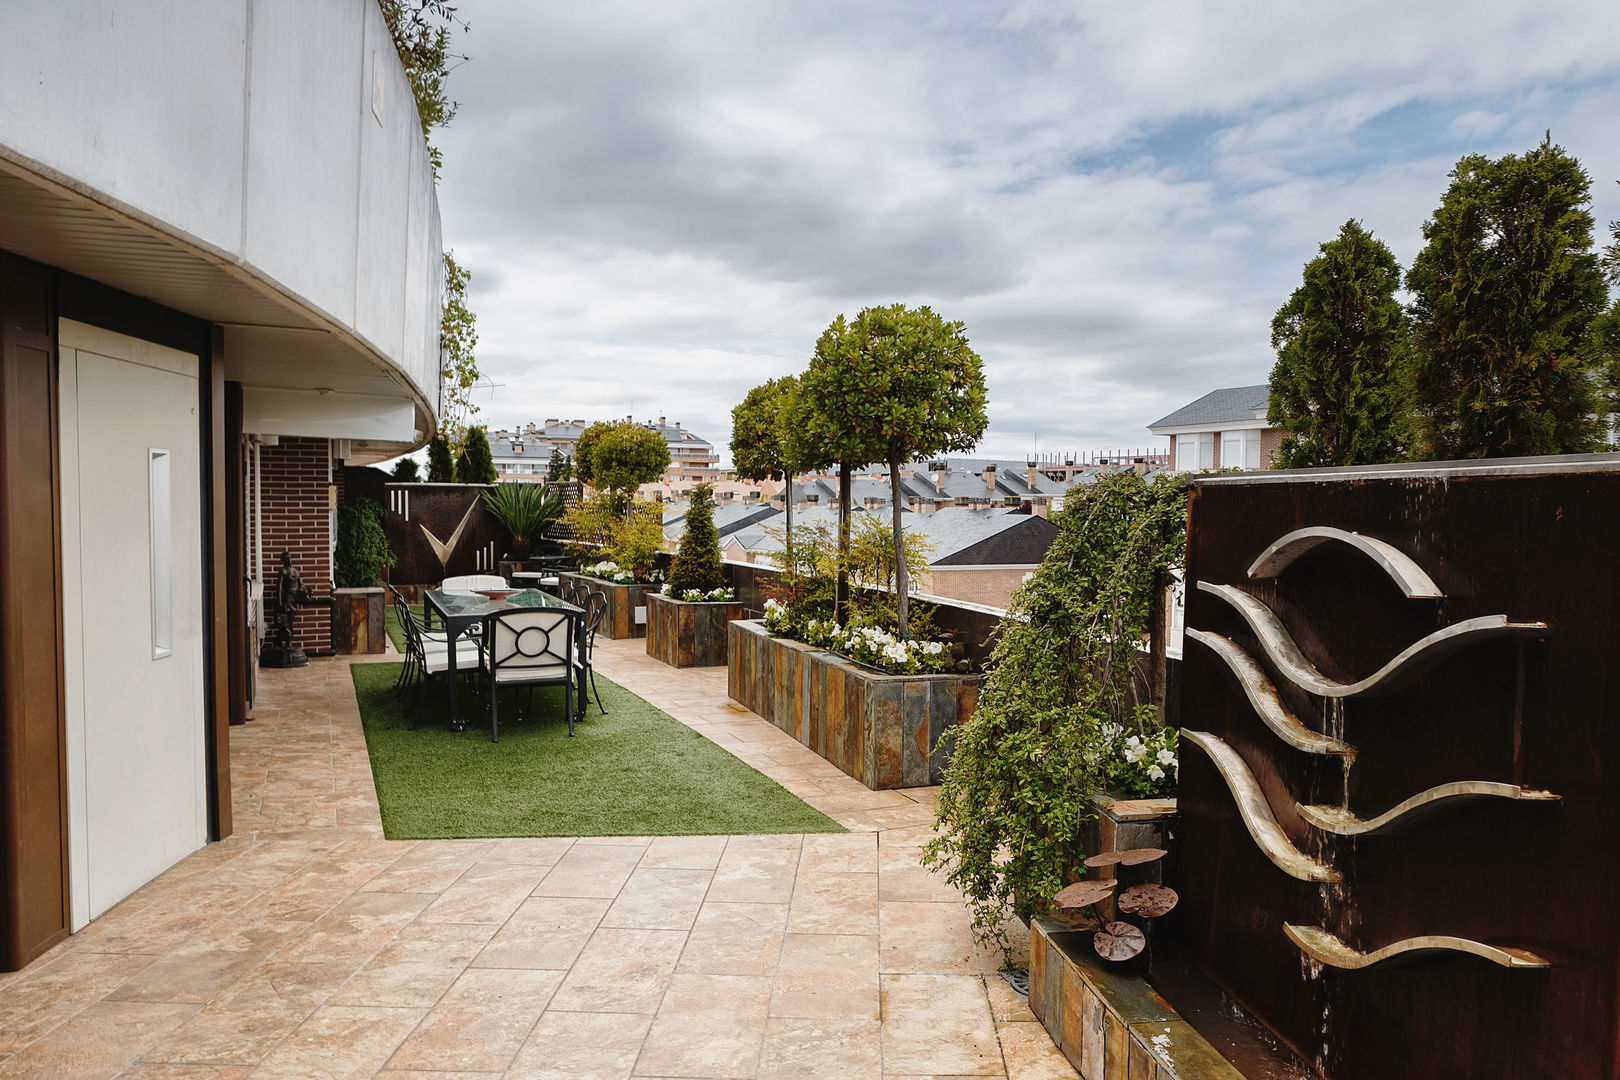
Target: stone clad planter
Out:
[627,605]
[357,621]
[684,634]
[884,730]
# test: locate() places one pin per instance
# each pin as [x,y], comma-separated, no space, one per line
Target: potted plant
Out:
[362,555]
[525,510]
[686,623]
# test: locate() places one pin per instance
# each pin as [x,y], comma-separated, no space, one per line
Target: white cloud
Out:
[664,204]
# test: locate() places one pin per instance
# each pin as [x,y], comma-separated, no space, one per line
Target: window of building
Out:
[1240,449]
[1195,452]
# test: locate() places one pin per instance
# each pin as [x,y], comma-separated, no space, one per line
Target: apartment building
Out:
[1224,429]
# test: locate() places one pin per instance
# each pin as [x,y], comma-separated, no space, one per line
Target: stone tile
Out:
[839,853]
[685,852]
[544,932]
[210,962]
[834,904]
[827,976]
[1005,1004]
[1029,1053]
[927,938]
[581,1046]
[825,1049]
[938,1025]
[339,1042]
[708,1026]
[531,851]
[487,893]
[735,939]
[621,971]
[902,876]
[51,993]
[184,1072]
[659,898]
[598,870]
[416,967]
[480,1022]
[246,1022]
[432,867]
[757,872]
[355,929]
[98,1042]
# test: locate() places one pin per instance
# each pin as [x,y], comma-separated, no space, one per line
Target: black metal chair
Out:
[428,654]
[529,647]
[596,606]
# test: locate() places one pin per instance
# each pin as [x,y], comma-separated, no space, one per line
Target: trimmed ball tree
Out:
[697,560]
[618,458]
[766,442]
[894,384]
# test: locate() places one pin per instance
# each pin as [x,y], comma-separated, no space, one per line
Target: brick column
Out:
[294,477]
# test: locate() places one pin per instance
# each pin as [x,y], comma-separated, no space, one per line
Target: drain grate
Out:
[1019,981]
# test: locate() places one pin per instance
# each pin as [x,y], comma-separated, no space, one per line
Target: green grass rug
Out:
[634,772]
[396,633]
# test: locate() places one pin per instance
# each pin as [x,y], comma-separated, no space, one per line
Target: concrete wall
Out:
[276,135]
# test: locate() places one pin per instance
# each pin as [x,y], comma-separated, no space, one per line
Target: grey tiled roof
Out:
[1219,407]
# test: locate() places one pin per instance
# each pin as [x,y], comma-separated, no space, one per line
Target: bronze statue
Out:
[280,651]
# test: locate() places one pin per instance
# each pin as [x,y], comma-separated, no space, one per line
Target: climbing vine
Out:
[1023,769]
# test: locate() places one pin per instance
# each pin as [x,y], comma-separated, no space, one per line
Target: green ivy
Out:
[362,545]
[1023,769]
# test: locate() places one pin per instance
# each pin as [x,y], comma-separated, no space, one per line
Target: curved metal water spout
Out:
[1406,666]
[1256,812]
[1263,696]
[1342,822]
[1328,949]
[1406,574]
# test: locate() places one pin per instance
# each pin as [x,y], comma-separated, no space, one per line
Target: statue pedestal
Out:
[282,656]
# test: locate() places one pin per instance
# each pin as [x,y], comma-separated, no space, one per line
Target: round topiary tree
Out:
[476,464]
[620,457]
[697,562]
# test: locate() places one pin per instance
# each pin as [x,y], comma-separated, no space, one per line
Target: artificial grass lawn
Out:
[634,772]
[396,633]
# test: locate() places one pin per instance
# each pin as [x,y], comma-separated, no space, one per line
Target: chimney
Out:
[942,469]
[990,477]
[1030,475]
[661,421]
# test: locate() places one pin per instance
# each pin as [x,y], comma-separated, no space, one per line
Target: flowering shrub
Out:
[1139,766]
[876,647]
[608,570]
[723,595]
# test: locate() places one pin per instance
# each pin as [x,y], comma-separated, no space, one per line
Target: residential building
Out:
[220,276]
[522,453]
[1224,429]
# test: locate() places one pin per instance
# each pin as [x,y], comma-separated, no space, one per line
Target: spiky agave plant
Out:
[526,511]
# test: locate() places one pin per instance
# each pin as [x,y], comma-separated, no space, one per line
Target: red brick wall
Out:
[294,477]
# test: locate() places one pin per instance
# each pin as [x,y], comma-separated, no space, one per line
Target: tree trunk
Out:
[841,593]
[902,587]
[787,504]
[1158,635]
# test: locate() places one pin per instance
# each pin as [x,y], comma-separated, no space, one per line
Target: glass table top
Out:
[472,605]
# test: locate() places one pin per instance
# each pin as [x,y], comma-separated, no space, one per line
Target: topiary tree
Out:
[620,457]
[441,466]
[476,465]
[405,471]
[766,442]
[1341,346]
[1506,288]
[895,384]
[559,468]
[697,560]
[362,544]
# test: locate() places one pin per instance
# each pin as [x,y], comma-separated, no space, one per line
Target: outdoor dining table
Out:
[462,611]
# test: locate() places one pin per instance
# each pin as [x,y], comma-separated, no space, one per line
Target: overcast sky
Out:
[663,204]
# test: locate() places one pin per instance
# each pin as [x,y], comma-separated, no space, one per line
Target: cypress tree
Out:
[1341,342]
[1506,289]
[697,562]
[441,468]
[406,470]
[476,464]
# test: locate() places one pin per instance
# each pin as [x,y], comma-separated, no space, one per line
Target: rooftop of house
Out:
[728,517]
[1220,407]
[957,538]
[568,431]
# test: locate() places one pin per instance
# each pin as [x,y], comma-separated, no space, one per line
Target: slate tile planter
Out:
[883,730]
[357,621]
[684,634]
[626,615]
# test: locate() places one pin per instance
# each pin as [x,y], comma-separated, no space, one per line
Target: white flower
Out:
[1134,741]
[1165,758]
[1155,773]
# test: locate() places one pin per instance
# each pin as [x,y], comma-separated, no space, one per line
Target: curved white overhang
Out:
[1408,576]
[256,165]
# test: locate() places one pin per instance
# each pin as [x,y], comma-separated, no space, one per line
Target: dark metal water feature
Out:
[1400,775]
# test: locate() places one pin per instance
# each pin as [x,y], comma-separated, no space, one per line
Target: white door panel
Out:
[132,538]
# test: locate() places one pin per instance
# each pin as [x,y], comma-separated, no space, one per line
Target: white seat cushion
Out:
[437,656]
[557,672]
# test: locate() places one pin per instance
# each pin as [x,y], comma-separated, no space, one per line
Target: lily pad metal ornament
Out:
[1131,857]
[1118,941]
[1147,900]
[1084,893]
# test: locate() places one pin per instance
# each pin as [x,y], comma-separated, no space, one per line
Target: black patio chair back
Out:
[530,647]
[596,608]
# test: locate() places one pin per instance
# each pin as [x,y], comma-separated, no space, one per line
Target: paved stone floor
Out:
[307,946]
